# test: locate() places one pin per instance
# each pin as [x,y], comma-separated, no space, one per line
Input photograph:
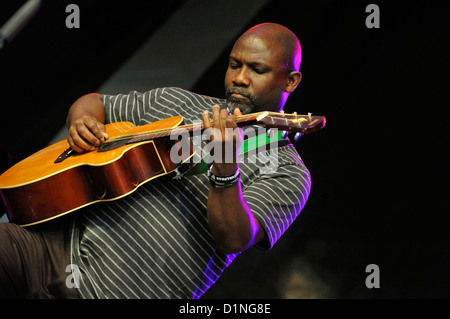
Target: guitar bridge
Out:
[67,153]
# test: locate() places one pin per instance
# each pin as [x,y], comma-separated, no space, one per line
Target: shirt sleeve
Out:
[277,196]
[154,105]
[129,107]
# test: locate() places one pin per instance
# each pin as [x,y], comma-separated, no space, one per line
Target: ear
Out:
[293,80]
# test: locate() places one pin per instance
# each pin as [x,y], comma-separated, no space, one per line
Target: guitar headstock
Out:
[301,124]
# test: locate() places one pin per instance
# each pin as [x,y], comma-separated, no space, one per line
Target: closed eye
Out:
[259,71]
[234,63]
[259,68]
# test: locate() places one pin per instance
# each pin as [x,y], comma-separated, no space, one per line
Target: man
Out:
[174,238]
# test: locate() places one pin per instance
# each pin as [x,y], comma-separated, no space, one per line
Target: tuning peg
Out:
[284,134]
[297,120]
[270,133]
[297,136]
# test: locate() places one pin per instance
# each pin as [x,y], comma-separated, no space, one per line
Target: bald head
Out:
[263,69]
[292,51]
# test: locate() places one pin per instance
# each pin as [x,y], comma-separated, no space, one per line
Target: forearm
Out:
[231,221]
[87,105]
[85,122]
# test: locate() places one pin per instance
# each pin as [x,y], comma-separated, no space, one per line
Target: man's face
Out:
[256,75]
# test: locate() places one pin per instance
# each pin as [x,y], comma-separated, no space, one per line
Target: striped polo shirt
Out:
[156,242]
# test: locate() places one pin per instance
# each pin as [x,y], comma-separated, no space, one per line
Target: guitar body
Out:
[37,189]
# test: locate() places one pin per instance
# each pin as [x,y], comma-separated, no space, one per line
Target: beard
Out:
[246,107]
[252,104]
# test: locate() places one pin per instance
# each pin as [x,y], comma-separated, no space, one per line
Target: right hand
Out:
[86,133]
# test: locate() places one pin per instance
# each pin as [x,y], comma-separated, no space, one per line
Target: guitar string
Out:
[163,132]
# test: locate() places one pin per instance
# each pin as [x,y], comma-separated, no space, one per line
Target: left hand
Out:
[227,140]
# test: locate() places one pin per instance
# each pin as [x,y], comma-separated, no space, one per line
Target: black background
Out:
[380,167]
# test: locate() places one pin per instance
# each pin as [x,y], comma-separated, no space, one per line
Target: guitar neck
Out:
[290,122]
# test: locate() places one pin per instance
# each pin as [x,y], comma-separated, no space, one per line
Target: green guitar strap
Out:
[248,145]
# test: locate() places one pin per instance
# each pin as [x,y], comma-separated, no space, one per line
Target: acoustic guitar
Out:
[57,180]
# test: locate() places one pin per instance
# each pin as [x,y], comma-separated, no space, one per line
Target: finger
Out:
[223,118]
[216,116]
[84,136]
[231,121]
[105,136]
[78,142]
[102,128]
[226,124]
[215,132]
[73,145]
[237,112]
[94,134]
[206,121]
[207,126]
